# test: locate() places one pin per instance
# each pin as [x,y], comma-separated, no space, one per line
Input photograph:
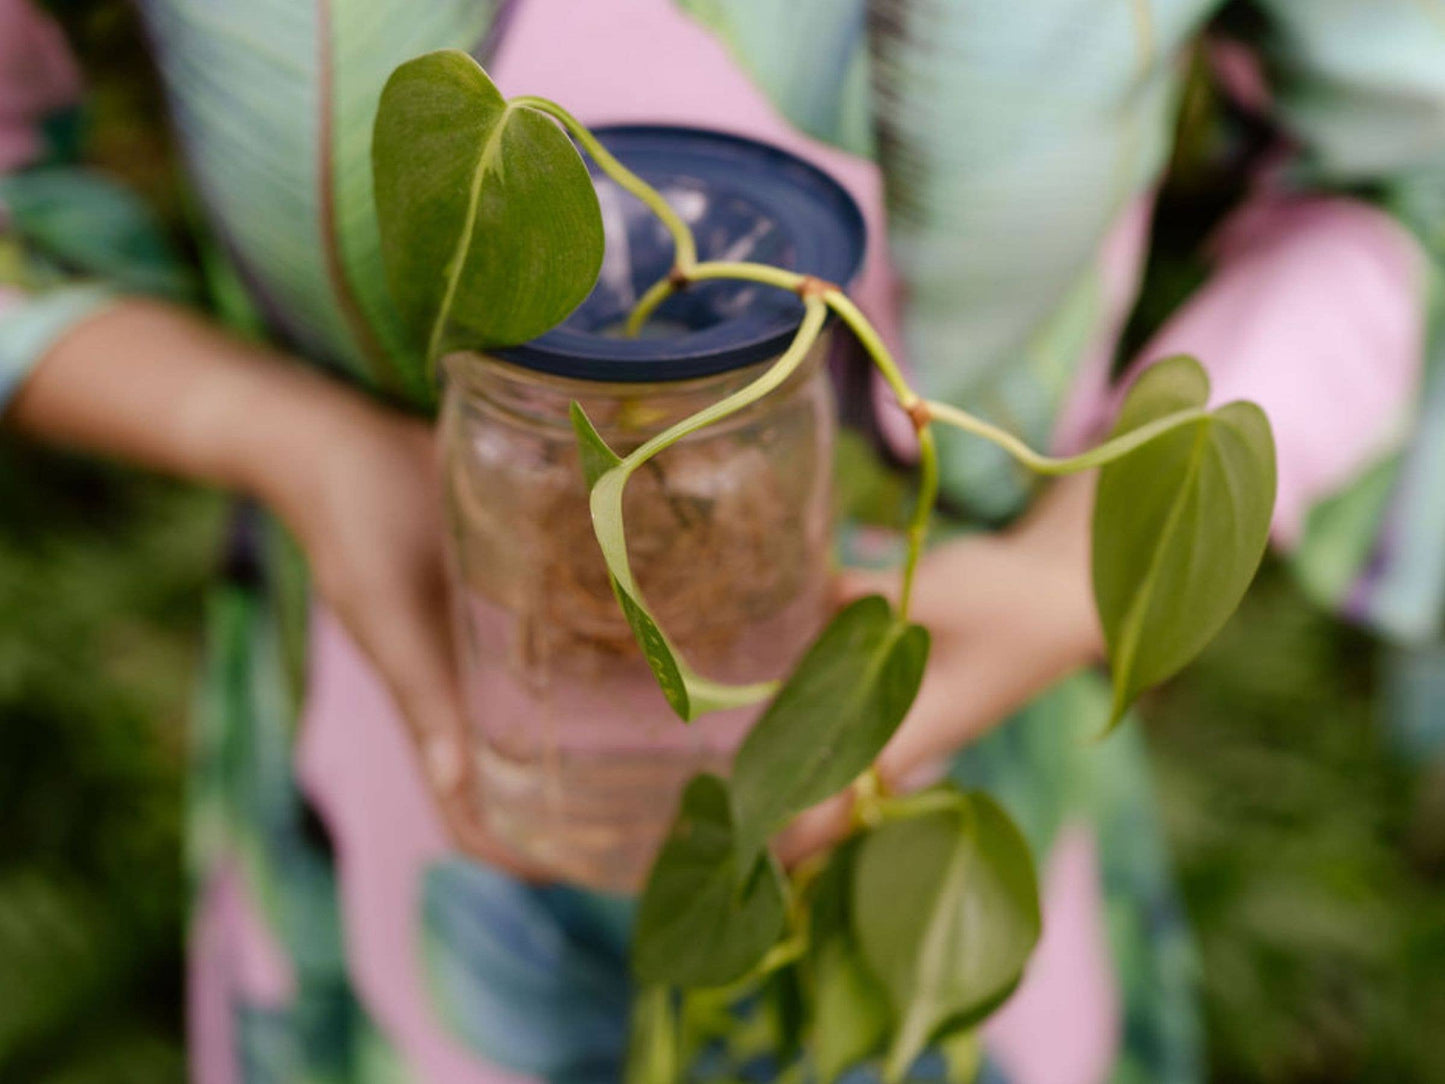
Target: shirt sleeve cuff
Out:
[31,325]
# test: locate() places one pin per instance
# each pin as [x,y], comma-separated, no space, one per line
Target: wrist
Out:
[284,427]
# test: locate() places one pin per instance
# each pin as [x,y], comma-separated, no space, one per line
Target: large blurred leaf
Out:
[837,710]
[1180,526]
[703,921]
[490,228]
[946,908]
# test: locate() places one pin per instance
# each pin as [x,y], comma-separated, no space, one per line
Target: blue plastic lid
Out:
[744,200]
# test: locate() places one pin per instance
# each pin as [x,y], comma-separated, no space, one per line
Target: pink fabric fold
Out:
[357,765]
[1316,311]
[1065,1024]
[38,75]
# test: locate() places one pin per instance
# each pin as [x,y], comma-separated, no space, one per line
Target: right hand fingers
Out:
[433,713]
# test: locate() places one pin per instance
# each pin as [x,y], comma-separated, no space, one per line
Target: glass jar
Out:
[579,757]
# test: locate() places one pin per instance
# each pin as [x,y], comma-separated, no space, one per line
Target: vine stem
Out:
[773,378]
[922,512]
[686,268]
[685,255]
[661,290]
[647,304]
[1053,465]
[923,413]
[882,357]
[908,399]
[872,342]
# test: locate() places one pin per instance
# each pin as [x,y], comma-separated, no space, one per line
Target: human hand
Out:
[1009,614]
[356,483]
[366,506]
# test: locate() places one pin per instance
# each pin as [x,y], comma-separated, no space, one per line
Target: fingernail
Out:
[443,763]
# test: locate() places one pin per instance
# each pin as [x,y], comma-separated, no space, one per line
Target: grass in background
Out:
[101,575]
[1303,844]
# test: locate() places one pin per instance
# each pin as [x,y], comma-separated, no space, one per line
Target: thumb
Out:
[403,626]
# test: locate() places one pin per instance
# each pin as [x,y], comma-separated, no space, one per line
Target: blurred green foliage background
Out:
[1311,855]
[101,576]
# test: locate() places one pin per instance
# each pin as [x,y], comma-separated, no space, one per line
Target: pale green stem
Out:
[922,511]
[647,304]
[1052,465]
[653,1051]
[908,399]
[661,290]
[751,272]
[686,248]
[813,317]
[788,951]
[882,358]
[872,342]
[918,804]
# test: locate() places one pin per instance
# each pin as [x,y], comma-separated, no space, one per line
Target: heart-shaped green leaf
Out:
[1180,526]
[945,907]
[831,719]
[490,227]
[851,1016]
[702,921]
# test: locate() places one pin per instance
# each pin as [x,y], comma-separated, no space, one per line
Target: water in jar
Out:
[580,759]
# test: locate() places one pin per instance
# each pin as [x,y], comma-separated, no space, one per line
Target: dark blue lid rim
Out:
[823,223]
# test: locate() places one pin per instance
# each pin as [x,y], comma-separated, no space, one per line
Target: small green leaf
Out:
[597,458]
[702,921]
[837,710]
[851,1015]
[945,906]
[664,662]
[688,692]
[490,228]
[1180,526]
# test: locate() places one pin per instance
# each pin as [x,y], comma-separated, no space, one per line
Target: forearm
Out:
[156,386]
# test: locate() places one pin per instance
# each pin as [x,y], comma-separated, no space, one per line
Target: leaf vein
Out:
[464,237]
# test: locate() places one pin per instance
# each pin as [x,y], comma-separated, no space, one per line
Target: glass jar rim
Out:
[534,398]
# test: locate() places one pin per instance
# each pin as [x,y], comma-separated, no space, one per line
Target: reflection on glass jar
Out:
[580,758]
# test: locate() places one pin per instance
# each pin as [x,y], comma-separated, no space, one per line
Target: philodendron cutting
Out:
[919,924]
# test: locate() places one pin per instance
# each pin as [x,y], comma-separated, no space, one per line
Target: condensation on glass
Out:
[579,758]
